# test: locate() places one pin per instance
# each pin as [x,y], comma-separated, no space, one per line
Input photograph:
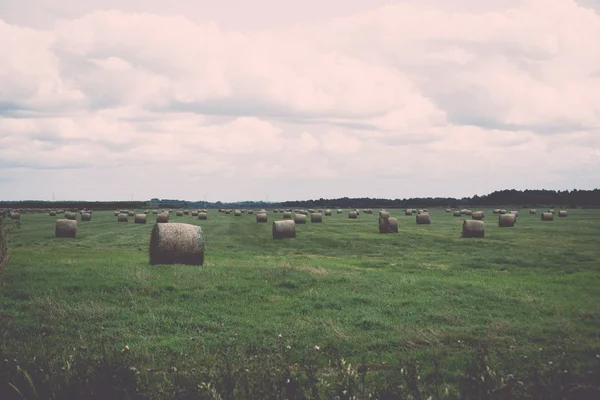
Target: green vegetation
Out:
[391,305]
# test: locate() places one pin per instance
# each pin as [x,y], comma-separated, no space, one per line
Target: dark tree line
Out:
[79,205]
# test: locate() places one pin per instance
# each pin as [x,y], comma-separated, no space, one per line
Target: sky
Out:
[280,100]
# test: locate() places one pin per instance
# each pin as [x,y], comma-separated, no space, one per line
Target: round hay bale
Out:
[448,210]
[179,213]
[478,215]
[287,215]
[275,211]
[131,213]
[194,213]
[227,211]
[551,210]
[473,229]
[515,213]
[506,220]
[177,243]
[284,229]
[250,212]
[466,212]
[117,213]
[86,217]
[547,216]
[384,214]
[533,211]
[186,212]
[261,217]
[502,212]
[352,214]
[238,213]
[328,213]
[66,228]
[162,218]
[424,210]
[339,211]
[457,213]
[423,219]
[146,211]
[311,210]
[122,218]
[408,212]
[52,213]
[140,218]
[155,212]
[202,215]
[300,218]
[562,213]
[496,211]
[71,215]
[316,218]
[388,225]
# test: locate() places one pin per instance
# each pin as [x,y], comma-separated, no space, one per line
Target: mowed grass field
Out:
[339,285]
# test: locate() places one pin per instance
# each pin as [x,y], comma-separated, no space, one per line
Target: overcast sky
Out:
[240,100]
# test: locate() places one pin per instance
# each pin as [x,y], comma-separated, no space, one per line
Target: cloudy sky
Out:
[240,100]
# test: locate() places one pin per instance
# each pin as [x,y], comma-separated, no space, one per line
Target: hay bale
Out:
[300,218]
[408,212]
[339,211]
[328,213]
[466,212]
[515,213]
[177,243]
[551,210]
[284,229]
[533,211]
[448,210]
[131,213]
[122,218]
[117,213]
[202,215]
[496,211]
[473,229]
[275,211]
[179,213]
[502,212]
[547,216]
[478,215]
[66,228]
[384,214]
[261,217]
[316,218]
[195,213]
[146,211]
[238,213]
[352,214]
[414,211]
[140,218]
[52,213]
[162,218]
[155,212]
[227,211]
[311,210]
[423,219]
[457,213]
[71,215]
[250,212]
[562,213]
[388,225]
[506,220]
[86,217]
[186,212]
[287,215]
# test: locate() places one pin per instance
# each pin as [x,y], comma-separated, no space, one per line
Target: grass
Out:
[339,285]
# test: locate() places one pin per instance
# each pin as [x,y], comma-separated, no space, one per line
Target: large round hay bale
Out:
[352,214]
[202,215]
[506,220]
[408,212]
[388,225]
[339,211]
[66,228]
[250,212]
[532,211]
[162,218]
[423,218]
[179,213]
[287,215]
[473,229]
[238,213]
[131,213]
[384,214]
[122,218]
[562,213]
[140,218]
[328,213]
[478,215]
[547,216]
[177,243]
[448,210]
[15,216]
[316,217]
[194,213]
[457,213]
[71,215]
[284,229]
[261,217]
[227,211]
[86,216]
[466,212]
[52,213]
[300,218]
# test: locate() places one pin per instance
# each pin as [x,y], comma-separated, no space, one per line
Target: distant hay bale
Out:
[368,211]
[352,214]
[131,213]
[388,225]
[478,215]
[562,213]
[202,215]
[238,213]
[457,213]
[284,229]
[162,218]
[533,211]
[155,212]
[423,219]
[339,211]
[328,213]
[547,216]
[552,210]
[287,215]
[300,218]
[408,212]
[194,213]
[384,214]
[466,212]
[52,213]
[473,229]
[186,212]
[448,210]
[502,212]
[311,210]
[261,217]
[316,217]
[515,213]
[179,213]
[146,211]
[117,213]
[250,212]
[66,228]
[496,211]
[506,220]
[122,218]
[71,215]
[275,211]
[17,216]
[177,243]
[86,217]
[414,211]
[140,218]
[227,211]
[424,211]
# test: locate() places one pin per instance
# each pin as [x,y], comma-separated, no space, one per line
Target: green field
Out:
[376,300]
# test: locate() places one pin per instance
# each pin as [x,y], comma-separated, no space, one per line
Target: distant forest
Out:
[525,198]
